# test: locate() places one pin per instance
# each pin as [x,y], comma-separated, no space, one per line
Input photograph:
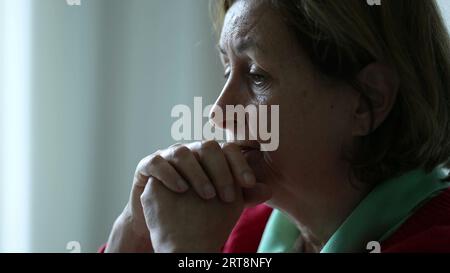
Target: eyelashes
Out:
[256,81]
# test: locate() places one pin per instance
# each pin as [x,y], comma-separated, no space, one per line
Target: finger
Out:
[239,166]
[146,193]
[215,164]
[156,166]
[184,161]
[260,193]
[146,198]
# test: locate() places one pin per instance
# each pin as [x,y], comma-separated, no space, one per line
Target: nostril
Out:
[216,117]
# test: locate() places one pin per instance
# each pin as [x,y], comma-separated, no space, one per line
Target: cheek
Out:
[313,128]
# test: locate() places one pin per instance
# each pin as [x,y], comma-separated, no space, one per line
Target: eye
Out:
[257,80]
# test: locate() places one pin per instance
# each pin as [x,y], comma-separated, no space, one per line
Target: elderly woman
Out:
[364,138]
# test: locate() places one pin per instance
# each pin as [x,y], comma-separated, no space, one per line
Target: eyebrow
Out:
[241,47]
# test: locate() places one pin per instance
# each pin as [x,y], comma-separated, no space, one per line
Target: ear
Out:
[380,84]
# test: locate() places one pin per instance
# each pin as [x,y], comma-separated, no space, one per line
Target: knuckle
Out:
[155,160]
[180,152]
[142,162]
[210,146]
[149,159]
[230,147]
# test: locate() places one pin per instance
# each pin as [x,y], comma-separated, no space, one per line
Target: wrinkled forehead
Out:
[256,24]
[246,19]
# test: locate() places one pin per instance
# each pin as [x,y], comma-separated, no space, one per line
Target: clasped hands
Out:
[187,198]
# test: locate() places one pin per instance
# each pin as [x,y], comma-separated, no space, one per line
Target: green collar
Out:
[381,212]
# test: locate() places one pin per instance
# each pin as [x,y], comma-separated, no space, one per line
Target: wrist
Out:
[125,238]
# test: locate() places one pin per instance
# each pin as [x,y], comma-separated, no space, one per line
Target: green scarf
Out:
[377,216]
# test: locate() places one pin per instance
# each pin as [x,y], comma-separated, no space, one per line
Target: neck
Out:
[319,210]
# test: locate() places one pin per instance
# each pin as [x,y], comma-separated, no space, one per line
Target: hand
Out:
[185,222]
[178,168]
[130,232]
[209,168]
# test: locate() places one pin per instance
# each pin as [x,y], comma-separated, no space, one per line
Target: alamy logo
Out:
[242,123]
[373,247]
[73,247]
[73,2]
[374,2]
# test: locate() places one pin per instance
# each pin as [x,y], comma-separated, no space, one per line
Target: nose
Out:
[231,95]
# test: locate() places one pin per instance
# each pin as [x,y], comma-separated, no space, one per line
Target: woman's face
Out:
[265,65]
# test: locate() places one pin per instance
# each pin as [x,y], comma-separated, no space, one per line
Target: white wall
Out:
[105,76]
[445,6]
[15,165]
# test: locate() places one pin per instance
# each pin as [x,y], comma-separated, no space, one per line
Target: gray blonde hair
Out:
[342,37]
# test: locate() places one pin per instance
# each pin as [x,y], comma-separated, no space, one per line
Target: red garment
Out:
[248,231]
[427,230]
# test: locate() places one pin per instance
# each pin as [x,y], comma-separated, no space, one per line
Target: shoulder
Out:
[427,230]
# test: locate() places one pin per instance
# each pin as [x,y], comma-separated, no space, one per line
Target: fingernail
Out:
[182,185]
[209,191]
[249,178]
[228,194]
